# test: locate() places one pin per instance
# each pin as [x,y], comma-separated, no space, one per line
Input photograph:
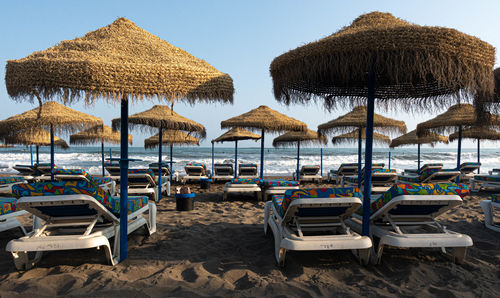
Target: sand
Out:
[219,249]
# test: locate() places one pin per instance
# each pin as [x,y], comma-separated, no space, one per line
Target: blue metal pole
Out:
[31,151]
[418,158]
[298,160]
[123,179]
[51,153]
[213,157]
[37,154]
[160,144]
[389,159]
[368,150]
[171,163]
[236,158]
[359,158]
[102,157]
[478,154]
[321,163]
[262,155]
[459,152]
[110,154]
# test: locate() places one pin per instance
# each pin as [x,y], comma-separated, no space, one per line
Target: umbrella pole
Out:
[389,159]
[418,158]
[298,160]
[478,154]
[102,158]
[123,178]
[359,158]
[459,152]
[368,149]
[51,153]
[110,154]
[213,156]
[37,154]
[321,163]
[31,151]
[171,162]
[235,157]
[262,156]
[160,144]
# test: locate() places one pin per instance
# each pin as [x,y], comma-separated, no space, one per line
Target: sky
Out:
[240,38]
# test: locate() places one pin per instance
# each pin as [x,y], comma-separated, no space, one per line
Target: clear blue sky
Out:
[240,38]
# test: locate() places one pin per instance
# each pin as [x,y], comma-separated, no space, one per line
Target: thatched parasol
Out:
[50,115]
[233,135]
[412,138]
[299,137]
[96,134]
[171,137]
[353,136]
[477,133]
[117,62]
[454,120]
[380,56]
[265,119]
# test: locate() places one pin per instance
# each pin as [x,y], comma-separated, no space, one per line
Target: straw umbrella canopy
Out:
[234,135]
[50,115]
[297,137]
[265,119]
[477,133]
[384,57]
[454,120]
[119,62]
[171,137]
[96,134]
[412,138]
[356,119]
[353,136]
[162,117]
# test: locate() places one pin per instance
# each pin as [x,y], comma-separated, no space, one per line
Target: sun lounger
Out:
[106,183]
[489,207]
[345,169]
[223,172]
[113,169]
[9,213]
[144,182]
[243,185]
[382,180]
[165,171]
[467,170]
[6,184]
[405,216]
[247,170]
[277,186]
[308,173]
[77,215]
[25,170]
[195,171]
[313,219]
[491,182]
[430,175]
[44,169]
[416,172]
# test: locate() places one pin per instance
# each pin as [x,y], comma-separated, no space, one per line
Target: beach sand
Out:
[219,249]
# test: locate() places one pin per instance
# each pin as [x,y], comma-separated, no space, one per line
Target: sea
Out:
[277,161]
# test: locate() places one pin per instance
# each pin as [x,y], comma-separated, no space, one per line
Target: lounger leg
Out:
[224,196]
[458,254]
[23,262]
[376,253]
[152,218]
[363,255]
[267,210]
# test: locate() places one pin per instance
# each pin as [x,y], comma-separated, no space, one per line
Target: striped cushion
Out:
[7,205]
[9,180]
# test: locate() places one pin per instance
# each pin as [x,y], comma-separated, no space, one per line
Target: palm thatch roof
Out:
[265,118]
[236,134]
[353,137]
[482,133]
[305,137]
[60,117]
[416,67]
[457,115]
[36,136]
[357,119]
[97,134]
[163,116]
[118,61]
[171,137]
[411,138]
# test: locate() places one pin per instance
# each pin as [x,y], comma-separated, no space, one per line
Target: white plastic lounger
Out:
[382,180]
[247,171]
[165,171]
[345,169]
[490,182]
[195,172]
[6,184]
[9,211]
[489,207]
[432,175]
[25,170]
[223,172]
[243,185]
[407,220]
[313,222]
[423,168]
[75,221]
[113,169]
[277,186]
[308,173]
[143,182]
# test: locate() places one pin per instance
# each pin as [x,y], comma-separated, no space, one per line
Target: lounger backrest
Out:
[112,168]
[75,172]
[141,177]
[223,169]
[469,167]
[421,189]
[10,180]
[380,172]
[165,170]
[378,165]
[44,168]
[348,169]
[196,169]
[247,169]
[309,170]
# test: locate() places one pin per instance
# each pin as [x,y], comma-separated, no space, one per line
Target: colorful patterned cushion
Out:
[354,179]
[243,165]
[417,189]
[76,187]
[279,182]
[111,164]
[43,164]
[489,178]
[7,205]
[277,202]
[412,171]
[156,165]
[246,181]
[378,165]
[470,164]
[102,180]
[409,179]
[142,171]
[81,172]
[197,164]
[9,180]
[223,165]
[495,198]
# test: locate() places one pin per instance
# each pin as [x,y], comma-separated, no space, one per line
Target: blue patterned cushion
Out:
[7,205]
[277,202]
[279,182]
[111,164]
[9,180]
[495,198]
[243,165]
[197,164]
[246,181]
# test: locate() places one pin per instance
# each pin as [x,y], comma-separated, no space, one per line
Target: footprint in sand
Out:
[189,275]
